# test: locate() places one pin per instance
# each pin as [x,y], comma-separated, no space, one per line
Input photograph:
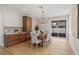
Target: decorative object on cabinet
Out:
[16,30]
[12,29]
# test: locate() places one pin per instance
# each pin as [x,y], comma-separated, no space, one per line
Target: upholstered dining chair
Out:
[34,39]
[48,39]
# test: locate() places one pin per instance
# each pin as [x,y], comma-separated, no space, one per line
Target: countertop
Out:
[14,33]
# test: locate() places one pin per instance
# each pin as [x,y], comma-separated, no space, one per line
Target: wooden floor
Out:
[58,46]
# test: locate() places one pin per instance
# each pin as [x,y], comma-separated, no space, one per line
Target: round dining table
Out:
[42,37]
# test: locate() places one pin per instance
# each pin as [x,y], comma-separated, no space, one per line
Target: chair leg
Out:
[36,45]
[43,44]
[49,42]
[31,45]
[53,43]
[46,43]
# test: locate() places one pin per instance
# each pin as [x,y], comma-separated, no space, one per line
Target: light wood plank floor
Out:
[58,46]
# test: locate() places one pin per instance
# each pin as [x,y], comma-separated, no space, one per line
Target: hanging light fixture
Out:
[43,20]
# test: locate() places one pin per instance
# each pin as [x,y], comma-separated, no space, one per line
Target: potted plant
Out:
[36,28]
[16,30]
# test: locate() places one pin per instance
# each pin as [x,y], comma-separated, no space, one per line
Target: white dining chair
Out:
[48,39]
[34,39]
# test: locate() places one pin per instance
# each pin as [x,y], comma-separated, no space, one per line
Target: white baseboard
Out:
[73,48]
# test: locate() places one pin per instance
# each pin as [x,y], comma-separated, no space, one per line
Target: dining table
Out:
[42,37]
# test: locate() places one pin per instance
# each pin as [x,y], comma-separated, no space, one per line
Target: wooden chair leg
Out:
[36,45]
[49,42]
[31,45]
[46,43]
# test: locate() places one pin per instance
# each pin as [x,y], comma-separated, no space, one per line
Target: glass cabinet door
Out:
[59,28]
[54,28]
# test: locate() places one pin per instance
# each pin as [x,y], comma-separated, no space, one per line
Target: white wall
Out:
[12,18]
[34,23]
[8,18]
[73,29]
[1,31]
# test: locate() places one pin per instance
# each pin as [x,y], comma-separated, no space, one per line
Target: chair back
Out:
[48,35]
[34,37]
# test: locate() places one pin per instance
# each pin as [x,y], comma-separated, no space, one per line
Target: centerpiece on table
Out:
[36,28]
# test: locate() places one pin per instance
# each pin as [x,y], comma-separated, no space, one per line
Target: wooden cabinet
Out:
[22,37]
[13,39]
[27,25]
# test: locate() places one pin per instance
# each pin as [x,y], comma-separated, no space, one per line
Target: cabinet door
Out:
[27,27]
[24,25]
[30,24]
[22,37]
[27,23]
[11,40]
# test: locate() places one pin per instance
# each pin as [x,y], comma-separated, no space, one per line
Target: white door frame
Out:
[1,30]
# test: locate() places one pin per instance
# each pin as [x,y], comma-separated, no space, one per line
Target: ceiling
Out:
[34,10]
